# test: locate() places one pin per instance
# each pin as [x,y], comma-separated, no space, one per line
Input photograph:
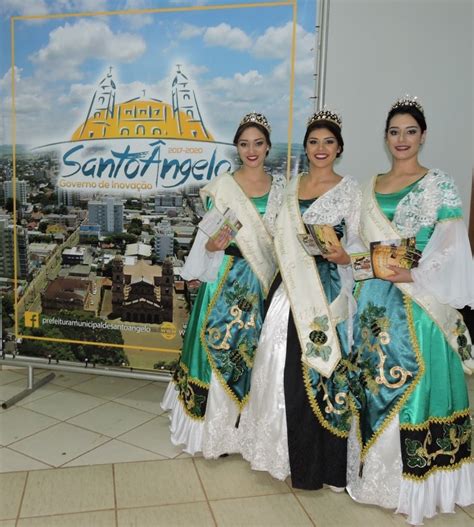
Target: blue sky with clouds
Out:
[238,60]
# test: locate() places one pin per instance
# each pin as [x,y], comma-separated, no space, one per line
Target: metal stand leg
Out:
[32,386]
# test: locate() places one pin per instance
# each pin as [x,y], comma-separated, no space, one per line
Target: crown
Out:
[257,118]
[407,100]
[325,115]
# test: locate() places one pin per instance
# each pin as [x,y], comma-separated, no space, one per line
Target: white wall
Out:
[378,50]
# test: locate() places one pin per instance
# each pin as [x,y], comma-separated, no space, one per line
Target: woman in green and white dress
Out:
[211,384]
[411,448]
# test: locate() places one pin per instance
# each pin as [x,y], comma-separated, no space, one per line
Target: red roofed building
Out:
[66,293]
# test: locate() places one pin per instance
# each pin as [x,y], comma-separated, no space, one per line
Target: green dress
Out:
[406,370]
[222,333]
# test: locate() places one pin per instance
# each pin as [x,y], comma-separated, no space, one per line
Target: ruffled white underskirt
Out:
[263,432]
[184,430]
[213,436]
[440,492]
[382,483]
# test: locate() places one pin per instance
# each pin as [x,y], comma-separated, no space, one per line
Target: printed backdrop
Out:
[113,114]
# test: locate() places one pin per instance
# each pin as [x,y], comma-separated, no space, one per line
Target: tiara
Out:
[407,100]
[257,118]
[325,115]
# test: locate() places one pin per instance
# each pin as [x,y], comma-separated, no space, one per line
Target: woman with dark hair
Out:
[211,384]
[411,448]
[298,417]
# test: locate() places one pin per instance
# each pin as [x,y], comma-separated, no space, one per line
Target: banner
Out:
[111,121]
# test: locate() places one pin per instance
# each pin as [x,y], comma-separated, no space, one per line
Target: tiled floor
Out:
[94,451]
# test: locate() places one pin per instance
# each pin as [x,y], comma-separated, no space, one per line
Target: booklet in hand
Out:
[214,221]
[321,238]
[374,263]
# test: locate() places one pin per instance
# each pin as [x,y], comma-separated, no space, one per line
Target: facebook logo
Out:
[32,319]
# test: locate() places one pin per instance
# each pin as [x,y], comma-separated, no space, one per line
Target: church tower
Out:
[101,109]
[117,284]
[185,103]
[166,291]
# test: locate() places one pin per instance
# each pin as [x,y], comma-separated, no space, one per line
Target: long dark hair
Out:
[329,125]
[410,110]
[241,129]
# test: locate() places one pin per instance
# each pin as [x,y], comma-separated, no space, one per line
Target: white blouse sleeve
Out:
[446,268]
[352,240]
[351,243]
[202,264]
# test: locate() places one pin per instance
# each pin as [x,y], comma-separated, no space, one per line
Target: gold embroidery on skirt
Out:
[396,372]
[340,399]
[215,334]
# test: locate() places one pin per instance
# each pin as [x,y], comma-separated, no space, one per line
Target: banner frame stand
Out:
[75,367]
[32,387]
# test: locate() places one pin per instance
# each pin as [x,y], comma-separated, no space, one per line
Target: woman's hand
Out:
[338,256]
[221,241]
[400,275]
[193,283]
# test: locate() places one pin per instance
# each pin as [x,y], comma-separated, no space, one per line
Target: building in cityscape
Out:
[140,250]
[66,293]
[89,233]
[70,221]
[73,256]
[142,292]
[167,201]
[164,240]
[69,198]
[108,213]
[22,190]
[7,268]
[40,252]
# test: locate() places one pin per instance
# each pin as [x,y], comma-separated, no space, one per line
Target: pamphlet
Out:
[320,239]
[214,222]
[374,263]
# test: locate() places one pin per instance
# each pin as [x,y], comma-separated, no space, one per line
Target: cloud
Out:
[78,6]
[226,36]
[192,71]
[188,2]
[237,87]
[43,7]
[33,109]
[26,94]
[78,94]
[276,42]
[72,44]
[137,21]
[23,8]
[6,80]
[190,31]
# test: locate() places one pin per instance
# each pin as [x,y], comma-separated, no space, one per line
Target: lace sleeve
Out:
[420,207]
[275,200]
[449,194]
[333,206]
[353,242]
[446,268]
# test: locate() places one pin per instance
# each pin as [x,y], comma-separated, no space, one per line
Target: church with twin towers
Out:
[144,117]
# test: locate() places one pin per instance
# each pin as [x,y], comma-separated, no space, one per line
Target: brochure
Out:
[214,221]
[320,239]
[374,263]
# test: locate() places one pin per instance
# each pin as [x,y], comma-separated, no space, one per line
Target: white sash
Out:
[374,226]
[303,285]
[253,239]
